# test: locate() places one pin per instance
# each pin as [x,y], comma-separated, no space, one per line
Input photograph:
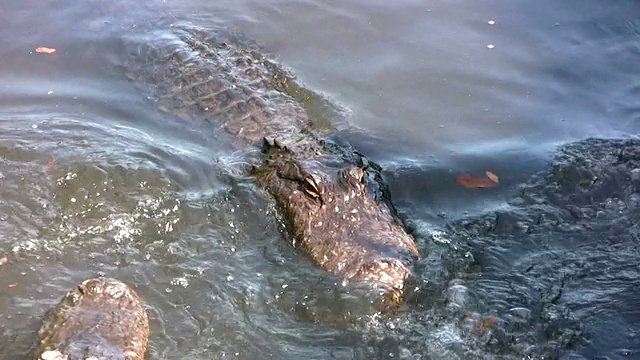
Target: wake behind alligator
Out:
[332,198]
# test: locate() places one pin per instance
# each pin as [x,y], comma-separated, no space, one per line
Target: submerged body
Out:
[102,318]
[343,227]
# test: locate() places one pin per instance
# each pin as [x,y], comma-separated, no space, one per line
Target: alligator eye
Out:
[311,187]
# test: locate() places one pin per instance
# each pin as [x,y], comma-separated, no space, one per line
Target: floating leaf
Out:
[476,182]
[493,177]
[45,50]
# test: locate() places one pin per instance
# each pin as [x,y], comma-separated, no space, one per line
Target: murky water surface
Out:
[96,180]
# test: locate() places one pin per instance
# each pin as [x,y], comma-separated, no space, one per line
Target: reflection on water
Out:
[94,179]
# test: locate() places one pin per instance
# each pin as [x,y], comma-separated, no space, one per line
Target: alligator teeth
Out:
[311,186]
[312,193]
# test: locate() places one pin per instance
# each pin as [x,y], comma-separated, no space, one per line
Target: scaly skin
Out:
[227,84]
[220,80]
[333,218]
[102,318]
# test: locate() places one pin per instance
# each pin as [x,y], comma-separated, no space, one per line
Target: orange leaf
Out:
[45,50]
[493,177]
[475,182]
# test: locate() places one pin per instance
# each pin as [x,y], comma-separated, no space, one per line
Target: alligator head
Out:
[101,318]
[336,221]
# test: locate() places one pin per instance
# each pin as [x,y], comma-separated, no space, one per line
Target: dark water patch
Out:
[585,58]
[434,181]
[571,229]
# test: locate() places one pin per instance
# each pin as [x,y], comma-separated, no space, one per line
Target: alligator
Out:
[101,318]
[333,199]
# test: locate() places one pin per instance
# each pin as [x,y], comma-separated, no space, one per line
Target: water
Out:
[94,179]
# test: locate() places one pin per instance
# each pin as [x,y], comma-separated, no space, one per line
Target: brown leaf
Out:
[475,182]
[493,177]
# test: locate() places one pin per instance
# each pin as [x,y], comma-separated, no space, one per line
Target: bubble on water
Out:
[439,237]
[24,245]
[180,281]
[457,295]
[67,177]
[446,335]
[391,325]
[173,249]
[123,226]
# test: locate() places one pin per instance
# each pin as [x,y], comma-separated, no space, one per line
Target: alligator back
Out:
[221,78]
